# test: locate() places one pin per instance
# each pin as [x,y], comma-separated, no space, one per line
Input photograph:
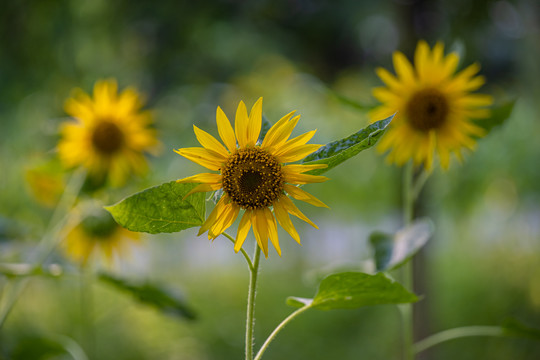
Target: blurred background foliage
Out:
[188,57]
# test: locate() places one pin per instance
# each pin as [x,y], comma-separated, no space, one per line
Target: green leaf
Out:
[160,209]
[336,152]
[350,290]
[515,328]
[499,115]
[162,298]
[393,250]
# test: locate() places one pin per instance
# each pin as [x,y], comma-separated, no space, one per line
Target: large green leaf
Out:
[160,209]
[393,250]
[349,290]
[499,114]
[164,299]
[336,152]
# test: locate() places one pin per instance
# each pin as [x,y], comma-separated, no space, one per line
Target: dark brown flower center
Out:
[252,178]
[107,138]
[427,109]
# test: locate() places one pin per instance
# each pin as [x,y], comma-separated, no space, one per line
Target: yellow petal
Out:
[294,143]
[403,67]
[422,58]
[298,153]
[209,142]
[302,195]
[241,124]
[475,100]
[243,229]
[300,168]
[295,178]
[225,130]
[224,221]
[254,123]
[218,210]
[260,229]
[202,188]
[207,158]
[283,133]
[272,229]
[283,218]
[292,209]
[270,136]
[389,79]
[204,178]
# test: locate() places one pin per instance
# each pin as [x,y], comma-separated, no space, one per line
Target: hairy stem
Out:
[250,319]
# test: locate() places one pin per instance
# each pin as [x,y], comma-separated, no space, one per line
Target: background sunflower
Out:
[110,134]
[433,105]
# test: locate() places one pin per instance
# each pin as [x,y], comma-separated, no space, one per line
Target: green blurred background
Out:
[188,57]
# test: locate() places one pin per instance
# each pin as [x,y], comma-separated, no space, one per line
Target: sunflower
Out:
[434,107]
[98,234]
[109,135]
[253,176]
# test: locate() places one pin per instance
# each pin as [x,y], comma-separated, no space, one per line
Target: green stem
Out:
[250,319]
[456,333]
[246,256]
[407,269]
[271,337]
[48,242]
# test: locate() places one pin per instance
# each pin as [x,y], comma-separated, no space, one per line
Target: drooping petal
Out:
[272,229]
[292,209]
[214,215]
[243,229]
[302,195]
[282,216]
[260,229]
[224,221]
[209,142]
[225,130]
